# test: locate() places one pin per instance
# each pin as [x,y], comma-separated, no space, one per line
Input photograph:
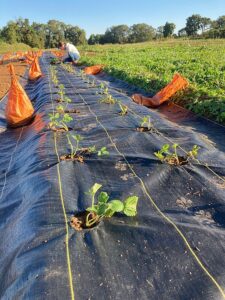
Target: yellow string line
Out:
[153,202]
[64,210]
[66,223]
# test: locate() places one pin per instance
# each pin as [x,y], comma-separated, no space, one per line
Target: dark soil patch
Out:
[78,157]
[146,129]
[180,162]
[72,111]
[60,101]
[60,129]
[78,221]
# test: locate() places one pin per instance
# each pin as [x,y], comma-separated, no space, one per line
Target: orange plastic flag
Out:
[19,109]
[93,70]
[29,59]
[35,70]
[178,83]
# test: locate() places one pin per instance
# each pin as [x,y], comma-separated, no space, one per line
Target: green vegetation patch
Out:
[152,65]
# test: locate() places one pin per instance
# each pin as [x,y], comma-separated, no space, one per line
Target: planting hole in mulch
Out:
[72,111]
[60,101]
[78,157]
[145,129]
[78,221]
[60,129]
[180,162]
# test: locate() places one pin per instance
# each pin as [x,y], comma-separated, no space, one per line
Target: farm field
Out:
[151,66]
[105,184]
[5,47]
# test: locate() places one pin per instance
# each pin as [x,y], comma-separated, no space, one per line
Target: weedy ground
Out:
[152,65]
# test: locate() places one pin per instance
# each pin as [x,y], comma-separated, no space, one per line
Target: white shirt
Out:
[70,48]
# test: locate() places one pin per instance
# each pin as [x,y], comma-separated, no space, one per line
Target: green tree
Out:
[141,33]
[220,22]
[117,34]
[205,24]
[95,39]
[182,32]
[193,24]
[75,35]
[168,29]
[9,33]
[159,32]
[54,33]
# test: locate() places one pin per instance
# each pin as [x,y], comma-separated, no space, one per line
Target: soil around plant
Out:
[71,111]
[78,157]
[59,129]
[78,221]
[177,162]
[146,129]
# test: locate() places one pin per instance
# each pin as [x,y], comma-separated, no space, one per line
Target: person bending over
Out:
[73,54]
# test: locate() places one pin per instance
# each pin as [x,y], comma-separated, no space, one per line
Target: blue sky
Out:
[94,16]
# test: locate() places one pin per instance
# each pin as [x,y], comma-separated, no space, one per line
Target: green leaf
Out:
[165,148]
[102,208]
[175,146]
[93,190]
[130,206]
[92,209]
[109,213]
[92,149]
[67,118]
[77,137]
[159,155]
[103,197]
[103,151]
[116,205]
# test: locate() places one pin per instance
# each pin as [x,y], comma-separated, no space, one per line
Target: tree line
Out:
[48,35]
[41,35]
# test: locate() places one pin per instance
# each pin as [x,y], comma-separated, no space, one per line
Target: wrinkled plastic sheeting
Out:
[123,258]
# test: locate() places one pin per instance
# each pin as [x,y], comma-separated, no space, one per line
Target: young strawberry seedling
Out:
[103,89]
[173,158]
[54,76]
[55,61]
[75,150]
[60,109]
[146,125]
[103,151]
[61,93]
[108,99]
[59,122]
[69,68]
[77,153]
[93,84]
[123,108]
[103,208]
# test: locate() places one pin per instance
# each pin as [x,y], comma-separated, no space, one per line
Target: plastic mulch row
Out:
[172,249]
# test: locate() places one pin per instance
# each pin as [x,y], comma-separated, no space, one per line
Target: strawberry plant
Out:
[54,75]
[103,151]
[77,152]
[74,149]
[59,121]
[55,61]
[146,122]
[123,108]
[105,208]
[172,158]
